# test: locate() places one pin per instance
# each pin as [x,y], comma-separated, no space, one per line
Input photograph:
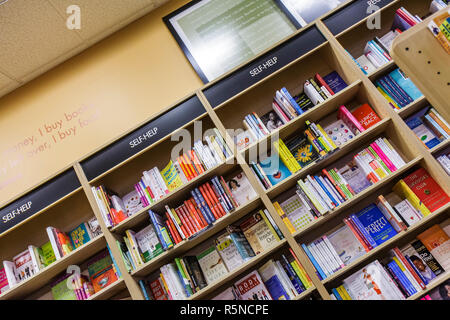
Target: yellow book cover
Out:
[310,196]
[283,156]
[300,274]
[345,293]
[341,292]
[295,165]
[389,99]
[171,177]
[402,190]
[275,234]
[330,141]
[283,216]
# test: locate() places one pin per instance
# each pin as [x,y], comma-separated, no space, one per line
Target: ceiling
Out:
[34,37]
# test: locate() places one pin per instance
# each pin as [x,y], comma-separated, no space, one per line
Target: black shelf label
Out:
[264,66]
[351,14]
[142,137]
[38,199]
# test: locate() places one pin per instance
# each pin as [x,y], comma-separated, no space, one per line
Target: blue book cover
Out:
[292,101]
[144,291]
[216,183]
[276,289]
[274,169]
[406,84]
[242,244]
[376,224]
[392,93]
[79,236]
[292,271]
[416,270]
[298,285]
[400,89]
[389,93]
[205,205]
[158,229]
[397,90]
[118,274]
[422,132]
[314,262]
[202,210]
[336,294]
[325,189]
[363,230]
[437,127]
[335,82]
[402,278]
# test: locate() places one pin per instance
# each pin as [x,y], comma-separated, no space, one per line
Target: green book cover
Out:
[99,262]
[61,291]
[47,256]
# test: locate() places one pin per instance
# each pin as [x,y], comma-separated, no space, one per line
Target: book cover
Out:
[441,292]
[302,150]
[80,235]
[227,294]
[24,265]
[48,254]
[272,280]
[365,64]
[171,177]
[346,245]
[229,252]
[438,244]
[271,120]
[3,280]
[132,203]
[427,189]
[241,242]
[241,189]
[406,84]
[103,278]
[335,82]
[355,177]
[366,116]
[423,260]
[99,262]
[212,265]
[257,233]
[148,243]
[61,289]
[297,212]
[251,287]
[376,224]
[244,139]
[274,168]
[195,271]
[339,133]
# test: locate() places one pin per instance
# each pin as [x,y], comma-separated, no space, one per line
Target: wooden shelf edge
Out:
[401,112]
[373,75]
[305,293]
[388,243]
[109,291]
[440,146]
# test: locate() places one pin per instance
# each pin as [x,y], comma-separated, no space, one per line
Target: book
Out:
[339,133]
[423,260]
[132,203]
[366,116]
[80,235]
[354,176]
[48,255]
[212,265]
[272,121]
[272,279]
[297,212]
[346,244]
[24,267]
[101,271]
[427,189]
[302,150]
[4,286]
[244,139]
[61,289]
[274,169]
[257,233]
[437,243]
[441,292]
[251,287]
[228,251]
[365,64]
[228,294]
[241,189]
[422,132]
[406,84]
[171,177]
[335,82]
[148,243]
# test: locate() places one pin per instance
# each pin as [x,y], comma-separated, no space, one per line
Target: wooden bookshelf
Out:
[321,47]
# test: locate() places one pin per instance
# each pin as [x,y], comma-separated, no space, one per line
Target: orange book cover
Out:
[213,196]
[189,165]
[209,203]
[427,189]
[183,166]
[103,278]
[198,216]
[366,116]
[438,243]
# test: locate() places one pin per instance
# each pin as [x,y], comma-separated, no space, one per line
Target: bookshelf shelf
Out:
[440,146]
[47,274]
[359,197]
[109,291]
[142,215]
[359,140]
[412,107]
[438,281]
[381,70]
[387,245]
[246,266]
[184,246]
[305,294]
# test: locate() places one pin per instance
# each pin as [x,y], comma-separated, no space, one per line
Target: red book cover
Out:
[211,205]
[321,82]
[181,224]
[172,233]
[187,216]
[366,116]
[196,162]
[185,169]
[228,192]
[173,230]
[426,189]
[158,290]
[187,226]
[214,198]
[150,192]
[357,234]
[196,214]
[190,166]
[409,267]
[103,278]
[405,17]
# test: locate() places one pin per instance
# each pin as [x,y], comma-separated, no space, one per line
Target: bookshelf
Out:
[65,199]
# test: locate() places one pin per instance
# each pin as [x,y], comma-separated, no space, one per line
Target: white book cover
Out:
[312,93]
[132,203]
[53,242]
[148,242]
[282,272]
[24,265]
[327,255]
[100,205]
[370,283]
[241,189]
[229,252]
[347,246]
[34,258]
[212,265]
[320,260]
[297,212]
[366,64]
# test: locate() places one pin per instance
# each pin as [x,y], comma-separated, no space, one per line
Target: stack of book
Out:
[286,107]
[209,202]
[189,274]
[377,223]
[398,89]
[282,279]
[403,272]
[440,28]
[31,261]
[312,145]
[155,184]
[429,126]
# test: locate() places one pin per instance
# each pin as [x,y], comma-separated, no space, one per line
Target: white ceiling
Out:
[34,37]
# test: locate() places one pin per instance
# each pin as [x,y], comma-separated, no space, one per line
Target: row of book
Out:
[34,259]
[403,272]
[155,184]
[429,126]
[444,161]
[312,145]
[101,272]
[398,89]
[209,202]
[237,245]
[440,28]
[282,279]
[286,107]
[414,198]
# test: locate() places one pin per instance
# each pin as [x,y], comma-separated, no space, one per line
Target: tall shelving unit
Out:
[320,47]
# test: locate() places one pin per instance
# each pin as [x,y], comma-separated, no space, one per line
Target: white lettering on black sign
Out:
[137,141]
[11,215]
[266,65]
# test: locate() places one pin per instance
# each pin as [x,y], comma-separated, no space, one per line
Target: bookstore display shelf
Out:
[359,197]
[142,215]
[440,146]
[359,140]
[386,245]
[110,291]
[186,245]
[317,112]
[412,107]
[42,278]
[437,281]
[236,272]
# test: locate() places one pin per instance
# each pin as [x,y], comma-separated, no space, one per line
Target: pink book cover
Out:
[252,287]
[280,111]
[350,120]
[383,156]
[138,188]
[3,281]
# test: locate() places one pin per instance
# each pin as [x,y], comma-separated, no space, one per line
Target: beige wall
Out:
[113,86]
